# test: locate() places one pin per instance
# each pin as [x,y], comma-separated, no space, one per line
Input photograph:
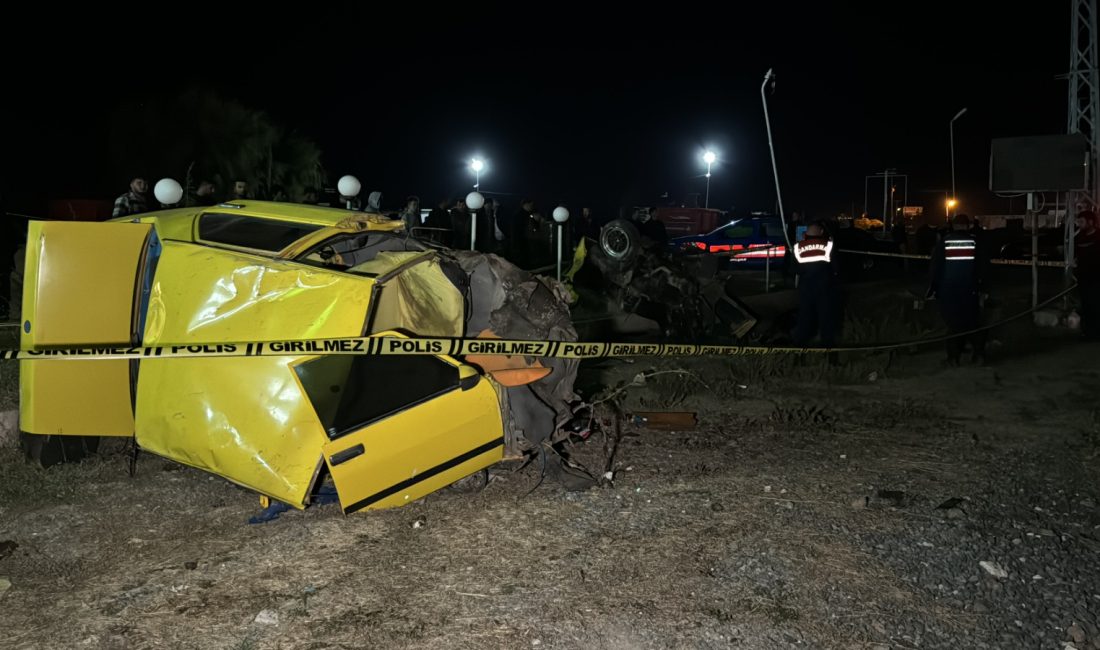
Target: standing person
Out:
[239,192]
[374,202]
[439,221]
[410,214]
[533,234]
[460,225]
[586,227]
[1086,245]
[492,208]
[957,278]
[204,194]
[135,201]
[818,287]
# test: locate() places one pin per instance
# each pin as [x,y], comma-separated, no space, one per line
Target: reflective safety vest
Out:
[959,248]
[814,250]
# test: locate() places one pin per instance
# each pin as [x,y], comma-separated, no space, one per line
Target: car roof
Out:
[177,223]
[745,219]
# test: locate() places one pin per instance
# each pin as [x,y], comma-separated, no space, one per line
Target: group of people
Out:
[958,279]
[136,199]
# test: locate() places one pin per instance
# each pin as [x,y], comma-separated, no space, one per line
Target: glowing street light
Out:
[950,205]
[709,157]
[477,164]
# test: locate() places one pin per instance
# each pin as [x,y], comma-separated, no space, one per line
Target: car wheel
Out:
[620,241]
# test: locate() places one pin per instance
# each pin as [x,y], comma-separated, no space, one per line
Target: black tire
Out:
[620,242]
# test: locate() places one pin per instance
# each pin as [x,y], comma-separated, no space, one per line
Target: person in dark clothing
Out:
[439,221]
[135,201]
[585,227]
[653,228]
[460,225]
[533,234]
[1086,246]
[818,287]
[958,273]
[204,194]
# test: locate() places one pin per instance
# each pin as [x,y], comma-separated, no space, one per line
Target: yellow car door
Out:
[243,418]
[83,286]
[401,427]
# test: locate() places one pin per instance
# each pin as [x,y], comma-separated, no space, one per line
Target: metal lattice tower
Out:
[1084,91]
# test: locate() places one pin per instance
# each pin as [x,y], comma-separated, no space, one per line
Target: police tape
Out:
[381,345]
[394,345]
[998,261]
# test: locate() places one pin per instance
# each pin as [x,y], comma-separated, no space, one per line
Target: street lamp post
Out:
[709,158]
[349,186]
[561,215]
[951,129]
[168,192]
[477,164]
[474,202]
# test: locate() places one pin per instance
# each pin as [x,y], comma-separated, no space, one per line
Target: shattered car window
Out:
[251,232]
[347,252]
[349,392]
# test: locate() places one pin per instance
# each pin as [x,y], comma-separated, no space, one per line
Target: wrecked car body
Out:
[681,296]
[388,430]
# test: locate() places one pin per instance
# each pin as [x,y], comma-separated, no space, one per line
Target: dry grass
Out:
[9,385]
[740,532]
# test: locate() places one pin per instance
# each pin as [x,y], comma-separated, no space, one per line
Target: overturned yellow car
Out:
[388,429]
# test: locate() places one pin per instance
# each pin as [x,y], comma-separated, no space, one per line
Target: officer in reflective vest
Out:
[958,270]
[818,287]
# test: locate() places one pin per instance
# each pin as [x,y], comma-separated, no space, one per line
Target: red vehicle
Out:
[682,222]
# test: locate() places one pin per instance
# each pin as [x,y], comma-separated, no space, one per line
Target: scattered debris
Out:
[267,617]
[419,523]
[667,421]
[7,547]
[860,503]
[993,569]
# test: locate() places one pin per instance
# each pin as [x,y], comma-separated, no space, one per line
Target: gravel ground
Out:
[849,507]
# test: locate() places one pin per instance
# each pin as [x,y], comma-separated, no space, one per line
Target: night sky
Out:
[566,103]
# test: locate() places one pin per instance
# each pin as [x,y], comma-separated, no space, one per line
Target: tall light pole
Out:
[349,187]
[561,215]
[474,202]
[477,164]
[951,129]
[709,157]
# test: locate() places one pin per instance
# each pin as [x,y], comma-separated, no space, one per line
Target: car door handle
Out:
[346,455]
